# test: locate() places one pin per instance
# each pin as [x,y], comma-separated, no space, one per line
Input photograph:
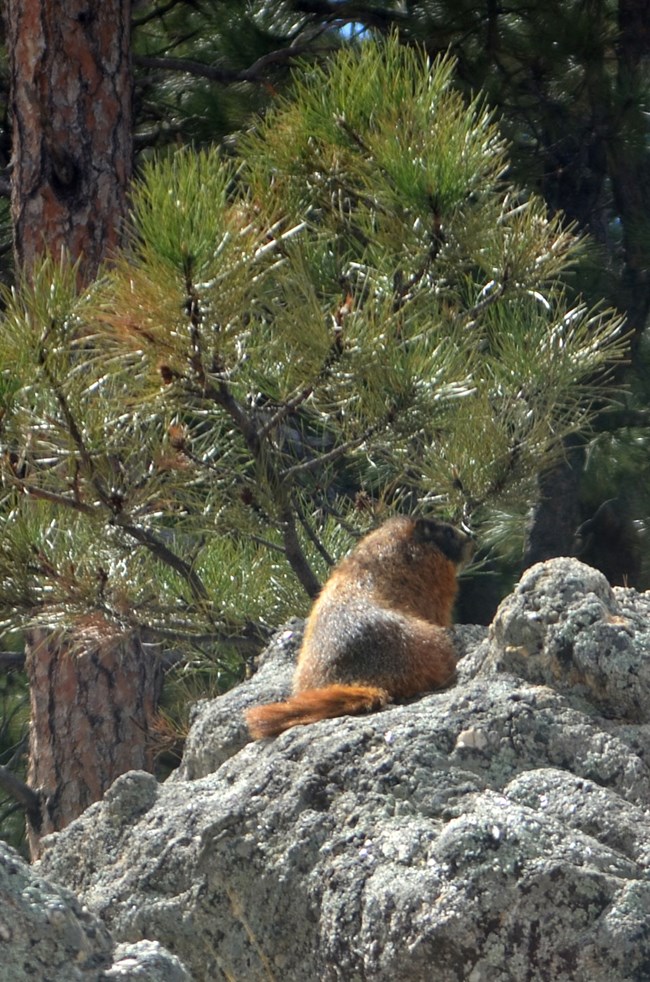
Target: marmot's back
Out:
[406,564]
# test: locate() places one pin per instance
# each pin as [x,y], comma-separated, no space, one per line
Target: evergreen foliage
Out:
[14,721]
[202,69]
[355,314]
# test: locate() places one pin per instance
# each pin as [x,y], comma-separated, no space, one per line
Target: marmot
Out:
[377,630]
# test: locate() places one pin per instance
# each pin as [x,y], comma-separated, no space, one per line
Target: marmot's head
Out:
[456,545]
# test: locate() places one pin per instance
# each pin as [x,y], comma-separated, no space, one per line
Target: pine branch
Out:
[311,535]
[296,555]
[226,76]
[288,407]
[277,484]
[158,548]
[351,13]
[11,659]
[68,416]
[222,396]
[29,800]
[141,535]
[466,317]
[248,638]
[273,546]
[157,12]
[327,458]
[44,495]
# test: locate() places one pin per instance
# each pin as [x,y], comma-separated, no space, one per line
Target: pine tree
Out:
[72,154]
[570,81]
[570,84]
[66,91]
[354,314]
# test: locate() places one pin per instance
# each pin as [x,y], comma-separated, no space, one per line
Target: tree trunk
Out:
[93,702]
[71,125]
[555,516]
[629,168]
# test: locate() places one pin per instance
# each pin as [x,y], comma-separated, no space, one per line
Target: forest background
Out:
[568,85]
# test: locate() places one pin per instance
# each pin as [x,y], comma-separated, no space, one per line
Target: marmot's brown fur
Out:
[377,630]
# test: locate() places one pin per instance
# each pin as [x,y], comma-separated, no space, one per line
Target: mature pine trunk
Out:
[93,701]
[555,516]
[72,133]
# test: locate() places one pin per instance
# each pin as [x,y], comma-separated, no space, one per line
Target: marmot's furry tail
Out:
[312,705]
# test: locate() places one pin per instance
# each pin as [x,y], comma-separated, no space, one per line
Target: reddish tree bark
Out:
[72,131]
[93,699]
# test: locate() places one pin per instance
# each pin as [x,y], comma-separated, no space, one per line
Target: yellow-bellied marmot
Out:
[377,630]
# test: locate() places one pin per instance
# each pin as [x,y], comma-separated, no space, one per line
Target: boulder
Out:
[48,935]
[498,830]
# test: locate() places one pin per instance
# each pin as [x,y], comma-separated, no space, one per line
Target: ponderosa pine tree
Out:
[67,92]
[571,84]
[570,80]
[357,314]
[92,697]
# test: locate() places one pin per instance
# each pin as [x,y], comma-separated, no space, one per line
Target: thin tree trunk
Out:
[72,132]
[93,702]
